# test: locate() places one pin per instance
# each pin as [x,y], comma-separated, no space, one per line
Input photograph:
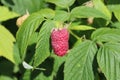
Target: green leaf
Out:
[86,12]
[114,7]
[34,38]
[108,58]
[25,32]
[99,5]
[47,13]
[57,63]
[41,75]
[16,54]
[116,24]
[117,14]
[78,65]
[42,47]
[26,75]
[20,6]
[6,44]
[8,49]
[2,77]
[106,34]
[62,3]
[81,27]
[7,3]
[77,42]
[6,14]
[61,15]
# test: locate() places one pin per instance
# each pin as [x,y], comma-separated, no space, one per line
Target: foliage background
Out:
[94,52]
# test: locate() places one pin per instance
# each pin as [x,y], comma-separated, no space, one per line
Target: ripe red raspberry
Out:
[59,38]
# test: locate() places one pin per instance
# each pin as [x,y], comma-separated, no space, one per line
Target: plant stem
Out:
[74,35]
[111,22]
[68,9]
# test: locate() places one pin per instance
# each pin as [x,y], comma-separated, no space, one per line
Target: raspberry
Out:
[59,38]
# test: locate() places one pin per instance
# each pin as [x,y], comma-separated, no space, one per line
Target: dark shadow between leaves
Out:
[30,53]
[6,67]
[48,65]
[112,2]
[11,25]
[28,57]
[97,73]
[60,73]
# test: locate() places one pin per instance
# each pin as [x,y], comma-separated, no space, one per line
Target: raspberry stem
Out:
[78,38]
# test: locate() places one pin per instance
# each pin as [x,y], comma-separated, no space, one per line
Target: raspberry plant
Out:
[88,50]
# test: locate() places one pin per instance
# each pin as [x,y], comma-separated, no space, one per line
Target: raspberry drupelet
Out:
[59,40]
